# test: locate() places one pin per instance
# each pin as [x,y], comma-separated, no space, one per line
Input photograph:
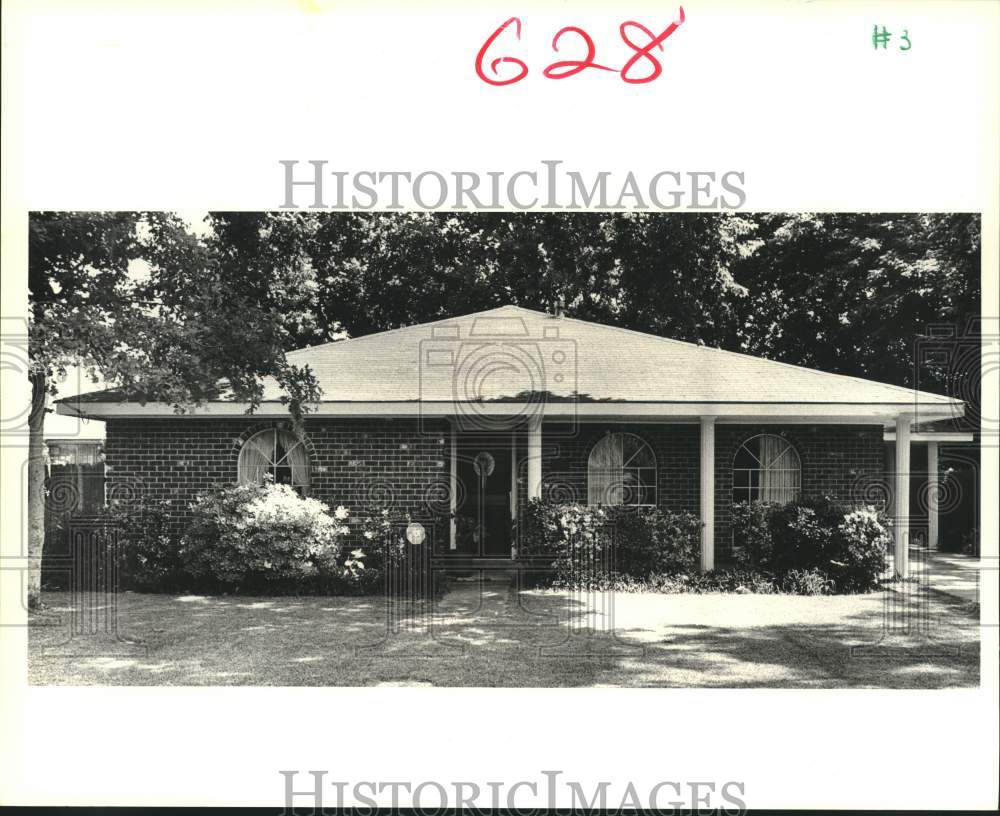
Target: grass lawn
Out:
[491,635]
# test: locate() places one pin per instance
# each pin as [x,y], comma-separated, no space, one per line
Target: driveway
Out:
[490,634]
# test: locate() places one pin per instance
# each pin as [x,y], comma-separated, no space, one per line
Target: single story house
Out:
[472,416]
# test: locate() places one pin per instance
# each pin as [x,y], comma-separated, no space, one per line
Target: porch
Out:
[682,463]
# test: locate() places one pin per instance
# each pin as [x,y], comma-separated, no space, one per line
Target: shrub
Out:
[572,538]
[734,581]
[741,581]
[381,555]
[848,545]
[970,542]
[806,582]
[256,537]
[653,541]
[584,543]
[858,559]
[752,543]
[148,552]
[802,534]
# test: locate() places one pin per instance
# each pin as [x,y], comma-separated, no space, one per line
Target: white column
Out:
[513,474]
[535,457]
[513,486]
[453,542]
[902,496]
[933,480]
[707,500]
[890,467]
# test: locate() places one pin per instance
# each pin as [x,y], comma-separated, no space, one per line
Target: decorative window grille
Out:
[621,470]
[277,453]
[766,468]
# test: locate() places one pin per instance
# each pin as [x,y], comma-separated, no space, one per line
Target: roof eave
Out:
[823,412]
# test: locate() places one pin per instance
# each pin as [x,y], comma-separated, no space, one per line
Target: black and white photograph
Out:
[387,449]
[463,407]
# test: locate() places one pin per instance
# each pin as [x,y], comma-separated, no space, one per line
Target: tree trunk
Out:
[36,488]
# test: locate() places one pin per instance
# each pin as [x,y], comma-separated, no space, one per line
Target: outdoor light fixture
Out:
[415,533]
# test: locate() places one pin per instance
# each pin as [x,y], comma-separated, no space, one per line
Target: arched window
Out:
[278,453]
[621,470]
[766,468]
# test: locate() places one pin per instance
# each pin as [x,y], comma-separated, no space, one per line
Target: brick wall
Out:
[843,461]
[355,462]
[565,455]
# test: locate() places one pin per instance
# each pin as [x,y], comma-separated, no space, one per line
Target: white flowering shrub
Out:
[864,538]
[254,536]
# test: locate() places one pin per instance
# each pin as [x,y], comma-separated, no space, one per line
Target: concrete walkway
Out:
[952,573]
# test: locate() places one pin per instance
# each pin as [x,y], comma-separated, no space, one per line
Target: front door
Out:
[484,484]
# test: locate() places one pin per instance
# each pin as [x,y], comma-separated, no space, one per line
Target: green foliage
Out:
[806,582]
[752,544]
[803,533]
[378,545]
[574,539]
[148,552]
[734,581]
[141,302]
[383,560]
[814,538]
[254,537]
[862,541]
[970,542]
[151,307]
[583,543]
[852,293]
[735,281]
[652,541]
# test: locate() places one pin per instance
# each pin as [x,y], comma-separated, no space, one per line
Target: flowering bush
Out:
[584,543]
[570,537]
[812,541]
[375,546]
[381,559]
[253,536]
[860,558]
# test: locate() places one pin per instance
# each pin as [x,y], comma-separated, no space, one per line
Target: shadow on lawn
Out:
[488,634]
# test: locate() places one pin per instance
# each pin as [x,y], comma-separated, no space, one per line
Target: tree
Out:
[378,271]
[852,293]
[139,301]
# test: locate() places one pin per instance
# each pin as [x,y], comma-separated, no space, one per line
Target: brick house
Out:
[470,417]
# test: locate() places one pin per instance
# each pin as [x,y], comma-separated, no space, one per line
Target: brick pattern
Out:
[405,463]
[840,461]
[565,456]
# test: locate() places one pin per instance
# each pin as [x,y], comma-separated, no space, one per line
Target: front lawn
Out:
[490,635]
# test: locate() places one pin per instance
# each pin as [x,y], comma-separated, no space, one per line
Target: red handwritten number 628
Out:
[569,67]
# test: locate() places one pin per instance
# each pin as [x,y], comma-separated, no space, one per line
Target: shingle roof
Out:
[505,353]
[513,354]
